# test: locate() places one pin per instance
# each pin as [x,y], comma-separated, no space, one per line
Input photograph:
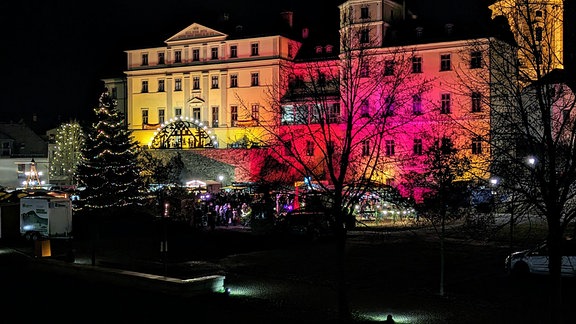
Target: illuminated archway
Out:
[183,133]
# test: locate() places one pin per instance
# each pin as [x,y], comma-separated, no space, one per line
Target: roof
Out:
[25,141]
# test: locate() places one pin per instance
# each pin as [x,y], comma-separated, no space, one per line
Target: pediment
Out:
[196,33]
[196,100]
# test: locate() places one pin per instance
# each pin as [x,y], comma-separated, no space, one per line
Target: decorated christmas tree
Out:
[69,142]
[109,170]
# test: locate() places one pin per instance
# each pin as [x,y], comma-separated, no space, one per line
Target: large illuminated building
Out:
[208,89]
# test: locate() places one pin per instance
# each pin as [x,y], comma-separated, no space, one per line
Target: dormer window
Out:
[329,48]
[448,29]
[318,49]
[419,31]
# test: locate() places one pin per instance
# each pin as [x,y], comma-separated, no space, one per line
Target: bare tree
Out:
[332,121]
[533,125]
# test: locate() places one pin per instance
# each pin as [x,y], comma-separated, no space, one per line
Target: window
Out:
[255,112]
[475,60]
[144,116]
[234,116]
[144,59]
[234,81]
[144,86]
[417,146]
[565,115]
[477,145]
[538,35]
[196,113]
[254,79]
[364,69]
[334,116]
[160,85]
[364,13]
[318,49]
[390,147]
[417,64]
[114,93]
[196,83]
[445,104]
[417,104]
[389,67]
[195,54]
[214,51]
[365,108]
[288,149]
[364,36]
[214,82]
[476,102]
[161,116]
[254,49]
[215,112]
[446,146]
[178,112]
[178,57]
[365,148]
[390,106]
[178,84]
[539,13]
[321,79]
[233,51]
[309,148]
[160,58]
[445,62]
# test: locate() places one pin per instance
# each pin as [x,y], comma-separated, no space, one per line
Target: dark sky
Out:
[56,51]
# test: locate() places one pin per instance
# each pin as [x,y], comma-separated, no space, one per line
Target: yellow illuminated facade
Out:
[219,83]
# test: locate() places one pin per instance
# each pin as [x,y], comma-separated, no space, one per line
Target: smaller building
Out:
[21,150]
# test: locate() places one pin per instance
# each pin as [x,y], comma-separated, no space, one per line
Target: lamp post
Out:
[164,243]
[494,184]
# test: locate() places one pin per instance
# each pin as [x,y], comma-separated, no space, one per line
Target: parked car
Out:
[310,224]
[535,260]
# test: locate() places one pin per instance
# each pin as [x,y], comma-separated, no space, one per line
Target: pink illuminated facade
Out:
[397,85]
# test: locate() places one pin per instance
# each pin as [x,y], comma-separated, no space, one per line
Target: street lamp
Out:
[221,179]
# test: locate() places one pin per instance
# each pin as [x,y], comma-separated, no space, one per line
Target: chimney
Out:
[288,17]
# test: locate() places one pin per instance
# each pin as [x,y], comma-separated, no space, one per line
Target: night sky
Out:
[55,52]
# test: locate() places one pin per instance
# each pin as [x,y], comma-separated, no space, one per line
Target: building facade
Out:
[207,89]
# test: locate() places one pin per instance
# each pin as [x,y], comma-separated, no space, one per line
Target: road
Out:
[280,280]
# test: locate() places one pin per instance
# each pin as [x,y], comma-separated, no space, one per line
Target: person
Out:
[389,319]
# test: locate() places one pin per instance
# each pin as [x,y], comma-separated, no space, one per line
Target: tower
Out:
[538,29]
